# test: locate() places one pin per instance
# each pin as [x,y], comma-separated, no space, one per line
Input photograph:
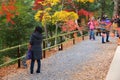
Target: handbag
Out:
[29,54]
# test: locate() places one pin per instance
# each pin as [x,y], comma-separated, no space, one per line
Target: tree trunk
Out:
[116,7]
[119,7]
[56,32]
[103,8]
[46,34]
[62,5]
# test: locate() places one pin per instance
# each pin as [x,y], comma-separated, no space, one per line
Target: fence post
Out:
[44,50]
[18,56]
[82,36]
[61,45]
[74,35]
[73,40]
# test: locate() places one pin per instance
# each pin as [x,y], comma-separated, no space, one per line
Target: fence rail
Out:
[44,46]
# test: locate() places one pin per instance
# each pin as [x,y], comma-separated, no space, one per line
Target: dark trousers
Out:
[98,33]
[107,37]
[38,66]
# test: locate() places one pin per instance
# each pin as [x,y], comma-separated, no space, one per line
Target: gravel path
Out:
[87,60]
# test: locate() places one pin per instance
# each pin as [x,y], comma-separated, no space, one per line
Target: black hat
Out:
[38,29]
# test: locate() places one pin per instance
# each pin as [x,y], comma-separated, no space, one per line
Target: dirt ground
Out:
[96,69]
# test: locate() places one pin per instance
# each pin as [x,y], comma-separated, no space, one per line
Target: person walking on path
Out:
[118,28]
[114,26]
[36,49]
[98,27]
[106,26]
[91,25]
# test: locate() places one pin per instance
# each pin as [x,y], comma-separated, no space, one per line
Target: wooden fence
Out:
[45,47]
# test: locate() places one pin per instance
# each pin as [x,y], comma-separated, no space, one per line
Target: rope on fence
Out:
[6,63]
[13,47]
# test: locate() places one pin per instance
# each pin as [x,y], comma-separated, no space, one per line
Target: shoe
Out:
[103,42]
[37,71]
[31,72]
[107,41]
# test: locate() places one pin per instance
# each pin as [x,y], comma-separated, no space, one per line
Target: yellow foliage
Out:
[47,9]
[64,16]
[51,2]
[41,13]
[72,16]
[43,16]
[37,15]
[46,19]
[83,1]
[91,1]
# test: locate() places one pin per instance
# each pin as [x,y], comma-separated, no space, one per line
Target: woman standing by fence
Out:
[36,49]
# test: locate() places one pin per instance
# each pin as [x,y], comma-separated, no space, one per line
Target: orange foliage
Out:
[69,26]
[9,10]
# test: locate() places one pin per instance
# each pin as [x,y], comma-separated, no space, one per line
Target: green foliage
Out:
[93,7]
[106,6]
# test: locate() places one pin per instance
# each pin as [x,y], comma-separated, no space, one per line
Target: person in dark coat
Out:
[36,49]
